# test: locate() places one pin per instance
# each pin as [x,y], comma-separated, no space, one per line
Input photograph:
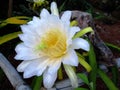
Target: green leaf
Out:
[71,74]
[73,23]
[84,63]
[91,85]
[9,37]
[3,24]
[83,31]
[81,89]
[15,20]
[115,73]
[83,77]
[93,64]
[113,46]
[107,80]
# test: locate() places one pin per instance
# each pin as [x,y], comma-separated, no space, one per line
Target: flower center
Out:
[53,44]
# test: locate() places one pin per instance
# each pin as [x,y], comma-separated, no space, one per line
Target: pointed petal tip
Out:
[54,9]
[80,43]
[49,79]
[71,58]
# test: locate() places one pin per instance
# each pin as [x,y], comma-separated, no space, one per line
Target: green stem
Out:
[36,85]
[60,74]
[107,80]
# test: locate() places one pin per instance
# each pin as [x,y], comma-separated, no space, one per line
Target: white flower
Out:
[47,42]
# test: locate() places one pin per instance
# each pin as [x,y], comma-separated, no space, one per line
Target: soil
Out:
[109,33]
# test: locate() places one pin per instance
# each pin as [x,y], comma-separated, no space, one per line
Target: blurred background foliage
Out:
[24,7]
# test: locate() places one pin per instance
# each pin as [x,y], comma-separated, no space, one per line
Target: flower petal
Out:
[49,79]
[71,33]
[26,29]
[54,66]
[25,53]
[80,43]
[21,67]
[73,30]
[43,65]
[54,9]
[34,67]
[66,20]
[34,23]
[28,41]
[66,17]
[71,58]
[44,13]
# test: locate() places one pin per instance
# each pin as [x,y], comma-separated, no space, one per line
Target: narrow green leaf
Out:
[3,24]
[115,76]
[62,6]
[81,88]
[83,31]
[113,46]
[93,64]
[91,85]
[17,20]
[9,37]
[36,85]
[107,80]
[84,63]
[83,77]
[72,75]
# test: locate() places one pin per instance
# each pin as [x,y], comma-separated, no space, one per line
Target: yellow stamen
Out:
[54,42]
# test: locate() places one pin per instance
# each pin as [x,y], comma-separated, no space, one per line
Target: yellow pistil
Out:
[53,44]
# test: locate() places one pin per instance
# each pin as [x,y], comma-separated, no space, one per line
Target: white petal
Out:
[66,16]
[43,65]
[49,79]
[26,29]
[34,67]
[34,23]
[71,33]
[71,58]
[29,35]
[80,43]
[21,67]
[29,72]
[34,20]
[54,66]
[66,19]
[25,53]
[28,39]
[54,9]
[44,13]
